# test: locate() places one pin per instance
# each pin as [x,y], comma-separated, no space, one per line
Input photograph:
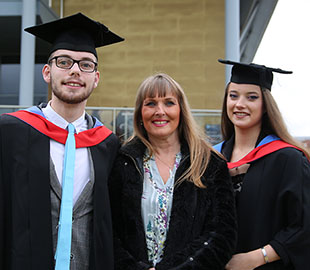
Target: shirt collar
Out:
[80,124]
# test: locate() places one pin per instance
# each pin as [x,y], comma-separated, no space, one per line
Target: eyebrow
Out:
[69,56]
[250,92]
[164,98]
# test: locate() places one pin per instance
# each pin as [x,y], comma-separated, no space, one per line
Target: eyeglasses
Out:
[66,62]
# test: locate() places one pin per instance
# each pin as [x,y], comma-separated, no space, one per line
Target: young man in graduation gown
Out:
[55,160]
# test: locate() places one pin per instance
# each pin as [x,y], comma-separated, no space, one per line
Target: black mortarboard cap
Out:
[252,73]
[76,32]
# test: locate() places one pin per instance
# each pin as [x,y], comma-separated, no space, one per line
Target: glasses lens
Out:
[87,66]
[64,62]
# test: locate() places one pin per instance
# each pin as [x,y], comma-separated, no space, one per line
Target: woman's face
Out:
[161,116]
[245,105]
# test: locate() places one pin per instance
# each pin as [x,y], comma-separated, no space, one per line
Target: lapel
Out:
[55,185]
[86,193]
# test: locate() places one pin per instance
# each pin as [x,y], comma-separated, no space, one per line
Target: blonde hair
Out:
[272,121]
[200,150]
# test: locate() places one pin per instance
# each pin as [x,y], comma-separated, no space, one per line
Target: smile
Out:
[240,113]
[160,122]
[73,84]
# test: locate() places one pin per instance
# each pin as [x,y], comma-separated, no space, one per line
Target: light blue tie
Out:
[63,251]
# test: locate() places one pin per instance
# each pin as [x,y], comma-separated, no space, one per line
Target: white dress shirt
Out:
[57,150]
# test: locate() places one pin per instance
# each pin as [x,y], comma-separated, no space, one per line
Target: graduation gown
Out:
[25,203]
[273,207]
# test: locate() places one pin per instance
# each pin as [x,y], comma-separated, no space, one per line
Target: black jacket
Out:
[202,229]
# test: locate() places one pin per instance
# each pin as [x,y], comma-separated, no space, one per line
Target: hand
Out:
[241,261]
[251,259]
[152,268]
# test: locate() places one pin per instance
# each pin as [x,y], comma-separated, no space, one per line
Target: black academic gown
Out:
[25,203]
[274,207]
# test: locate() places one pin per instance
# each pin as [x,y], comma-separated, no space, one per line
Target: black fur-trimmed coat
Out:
[202,229]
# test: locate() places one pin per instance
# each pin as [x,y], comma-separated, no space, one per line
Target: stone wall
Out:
[183,38]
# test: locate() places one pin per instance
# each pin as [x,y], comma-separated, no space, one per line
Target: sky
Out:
[286,45]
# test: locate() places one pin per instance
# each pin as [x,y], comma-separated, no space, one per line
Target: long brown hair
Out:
[161,84]
[272,121]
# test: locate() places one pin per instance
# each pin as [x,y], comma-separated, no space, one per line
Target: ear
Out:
[46,72]
[97,76]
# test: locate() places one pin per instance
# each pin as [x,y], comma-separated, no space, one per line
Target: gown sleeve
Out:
[4,260]
[2,218]
[292,243]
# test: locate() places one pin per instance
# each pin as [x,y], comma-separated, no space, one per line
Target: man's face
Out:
[72,85]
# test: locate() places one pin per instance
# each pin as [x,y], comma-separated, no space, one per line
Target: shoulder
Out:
[126,151]
[113,140]
[216,169]
[134,148]
[7,118]
[286,167]
[290,154]
[9,122]
[288,161]
[217,160]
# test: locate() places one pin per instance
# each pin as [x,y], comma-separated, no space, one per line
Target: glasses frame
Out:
[73,62]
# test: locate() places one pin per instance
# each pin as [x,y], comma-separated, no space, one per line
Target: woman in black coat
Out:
[171,195]
[270,173]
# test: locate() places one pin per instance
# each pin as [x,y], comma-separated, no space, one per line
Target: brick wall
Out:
[183,38]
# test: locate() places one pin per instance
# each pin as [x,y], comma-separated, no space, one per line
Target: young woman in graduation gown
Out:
[171,195]
[270,173]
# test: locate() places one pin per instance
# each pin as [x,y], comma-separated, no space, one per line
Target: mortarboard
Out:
[252,73]
[76,32]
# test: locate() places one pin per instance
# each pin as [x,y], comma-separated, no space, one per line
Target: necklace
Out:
[169,167]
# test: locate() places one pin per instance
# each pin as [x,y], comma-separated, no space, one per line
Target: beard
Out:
[67,97]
